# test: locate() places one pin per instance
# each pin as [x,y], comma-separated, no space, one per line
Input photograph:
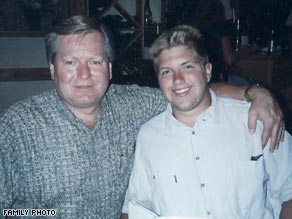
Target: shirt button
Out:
[197,158]
[193,132]
[202,185]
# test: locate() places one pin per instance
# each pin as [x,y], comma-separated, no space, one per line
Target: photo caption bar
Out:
[29,212]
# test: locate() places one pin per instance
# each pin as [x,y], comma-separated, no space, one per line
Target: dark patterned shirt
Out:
[51,160]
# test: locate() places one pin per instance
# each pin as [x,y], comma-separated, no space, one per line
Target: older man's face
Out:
[81,71]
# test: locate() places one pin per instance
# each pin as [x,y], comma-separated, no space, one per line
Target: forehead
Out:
[177,54]
[82,41]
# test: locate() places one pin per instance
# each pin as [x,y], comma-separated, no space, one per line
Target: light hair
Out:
[181,35]
[80,24]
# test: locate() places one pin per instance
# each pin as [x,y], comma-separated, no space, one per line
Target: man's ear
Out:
[52,70]
[208,68]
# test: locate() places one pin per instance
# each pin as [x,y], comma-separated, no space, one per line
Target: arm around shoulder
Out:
[264,107]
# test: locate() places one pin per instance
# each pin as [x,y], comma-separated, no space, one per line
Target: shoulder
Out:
[151,135]
[28,107]
[157,124]
[25,117]
[136,97]
[233,113]
[233,105]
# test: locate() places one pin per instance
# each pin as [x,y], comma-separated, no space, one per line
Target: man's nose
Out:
[84,71]
[178,77]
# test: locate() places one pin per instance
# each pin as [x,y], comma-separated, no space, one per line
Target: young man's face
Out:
[184,80]
[81,70]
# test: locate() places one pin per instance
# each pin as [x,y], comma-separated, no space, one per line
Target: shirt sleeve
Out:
[279,168]
[139,189]
[147,101]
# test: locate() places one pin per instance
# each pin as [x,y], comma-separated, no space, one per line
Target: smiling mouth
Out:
[181,91]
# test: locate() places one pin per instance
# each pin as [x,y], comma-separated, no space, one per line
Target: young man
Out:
[197,158]
[71,149]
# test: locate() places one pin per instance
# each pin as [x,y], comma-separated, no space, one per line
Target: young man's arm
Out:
[264,107]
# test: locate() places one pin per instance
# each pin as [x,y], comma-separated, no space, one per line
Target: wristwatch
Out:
[247,91]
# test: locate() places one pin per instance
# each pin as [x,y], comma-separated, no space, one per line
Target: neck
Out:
[87,115]
[190,117]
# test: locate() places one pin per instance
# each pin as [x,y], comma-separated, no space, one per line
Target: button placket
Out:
[197,157]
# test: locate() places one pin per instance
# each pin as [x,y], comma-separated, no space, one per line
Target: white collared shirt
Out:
[215,169]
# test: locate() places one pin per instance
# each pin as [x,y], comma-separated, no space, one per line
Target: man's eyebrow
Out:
[163,68]
[196,60]
[188,61]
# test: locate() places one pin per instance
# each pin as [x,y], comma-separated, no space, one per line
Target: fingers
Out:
[265,108]
[282,135]
[275,133]
[269,132]
[272,129]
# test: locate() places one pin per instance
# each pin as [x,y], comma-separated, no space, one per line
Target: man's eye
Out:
[69,62]
[189,67]
[96,62]
[164,72]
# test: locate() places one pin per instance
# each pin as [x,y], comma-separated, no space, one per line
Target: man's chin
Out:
[84,103]
[184,107]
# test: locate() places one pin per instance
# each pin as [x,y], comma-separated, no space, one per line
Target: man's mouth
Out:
[181,91]
[83,86]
